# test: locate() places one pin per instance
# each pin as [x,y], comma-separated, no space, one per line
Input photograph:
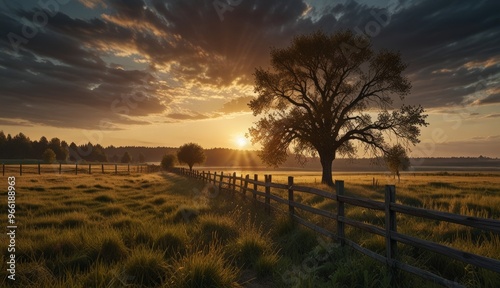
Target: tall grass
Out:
[155,230]
[130,230]
[471,194]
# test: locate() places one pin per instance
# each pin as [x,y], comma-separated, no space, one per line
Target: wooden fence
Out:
[244,185]
[88,168]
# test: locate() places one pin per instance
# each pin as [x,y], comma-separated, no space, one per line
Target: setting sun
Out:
[241,141]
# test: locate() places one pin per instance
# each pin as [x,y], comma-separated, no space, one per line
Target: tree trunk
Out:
[326,160]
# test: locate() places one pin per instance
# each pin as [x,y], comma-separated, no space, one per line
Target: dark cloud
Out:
[490,99]
[55,80]
[439,40]
[226,50]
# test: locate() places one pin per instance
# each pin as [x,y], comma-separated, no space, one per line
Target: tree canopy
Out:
[49,156]
[397,159]
[191,153]
[331,95]
[168,161]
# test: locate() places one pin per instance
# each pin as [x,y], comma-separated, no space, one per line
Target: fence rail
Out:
[87,168]
[233,184]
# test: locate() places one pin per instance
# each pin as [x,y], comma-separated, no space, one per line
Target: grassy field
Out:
[148,230]
[473,194]
[163,230]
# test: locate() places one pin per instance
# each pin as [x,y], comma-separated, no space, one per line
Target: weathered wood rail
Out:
[75,168]
[244,185]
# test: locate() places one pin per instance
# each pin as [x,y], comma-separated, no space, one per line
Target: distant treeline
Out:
[21,147]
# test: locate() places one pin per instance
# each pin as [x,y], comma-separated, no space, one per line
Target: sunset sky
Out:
[163,73]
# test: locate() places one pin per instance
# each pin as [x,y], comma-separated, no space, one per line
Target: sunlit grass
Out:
[471,194]
[126,230]
[161,230]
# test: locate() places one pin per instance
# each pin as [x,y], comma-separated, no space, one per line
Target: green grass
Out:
[160,230]
[204,269]
[130,230]
[471,194]
[145,267]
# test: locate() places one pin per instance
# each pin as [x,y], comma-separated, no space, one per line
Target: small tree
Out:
[191,153]
[168,161]
[126,158]
[49,156]
[397,160]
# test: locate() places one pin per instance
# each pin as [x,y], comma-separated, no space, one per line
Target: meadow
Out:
[164,230]
[466,193]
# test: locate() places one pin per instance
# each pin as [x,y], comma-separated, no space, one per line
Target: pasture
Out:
[164,230]
[153,230]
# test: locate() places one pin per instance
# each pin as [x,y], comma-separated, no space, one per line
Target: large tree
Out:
[191,153]
[330,95]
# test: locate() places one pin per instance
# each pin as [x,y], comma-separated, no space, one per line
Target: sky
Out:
[164,73]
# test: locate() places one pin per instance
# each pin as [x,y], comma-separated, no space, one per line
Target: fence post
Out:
[291,208]
[268,193]
[3,169]
[390,224]
[241,183]
[128,168]
[221,180]
[38,168]
[20,169]
[339,189]
[76,168]
[60,167]
[90,168]
[246,185]
[102,168]
[234,182]
[116,169]
[255,178]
